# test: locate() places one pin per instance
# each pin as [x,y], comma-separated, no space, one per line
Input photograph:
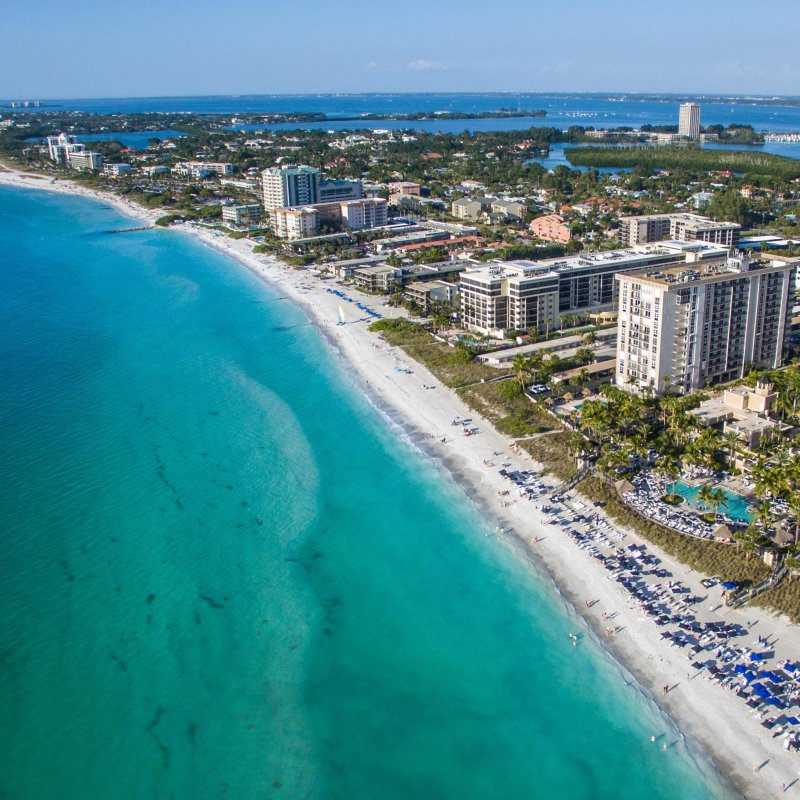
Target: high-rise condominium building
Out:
[65,149]
[287,187]
[58,147]
[693,325]
[689,121]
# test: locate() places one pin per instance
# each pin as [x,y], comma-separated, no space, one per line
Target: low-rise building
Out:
[380,278]
[424,293]
[509,208]
[413,235]
[245,184]
[242,215]
[198,170]
[404,187]
[117,170]
[743,410]
[466,208]
[516,295]
[681,227]
[551,228]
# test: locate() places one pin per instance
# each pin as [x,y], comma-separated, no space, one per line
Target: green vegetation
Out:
[554,451]
[729,206]
[785,598]
[688,158]
[453,366]
[168,219]
[619,429]
[509,410]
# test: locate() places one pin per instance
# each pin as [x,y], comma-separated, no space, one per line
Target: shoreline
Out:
[705,714]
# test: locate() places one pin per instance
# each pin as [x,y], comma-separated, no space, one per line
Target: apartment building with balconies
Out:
[690,326]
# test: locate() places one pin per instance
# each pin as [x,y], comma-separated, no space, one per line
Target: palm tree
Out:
[576,443]
[705,495]
[792,560]
[751,539]
[765,518]
[718,500]
[522,369]
[731,440]
[669,470]
[794,507]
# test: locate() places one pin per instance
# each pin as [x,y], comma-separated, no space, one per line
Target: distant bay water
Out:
[205,591]
[562,112]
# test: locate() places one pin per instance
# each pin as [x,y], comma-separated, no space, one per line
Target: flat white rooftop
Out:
[635,255]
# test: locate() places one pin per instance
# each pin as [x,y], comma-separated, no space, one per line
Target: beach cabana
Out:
[623,487]
[723,532]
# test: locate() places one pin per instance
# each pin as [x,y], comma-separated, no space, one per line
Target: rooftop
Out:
[695,220]
[698,271]
[637,254]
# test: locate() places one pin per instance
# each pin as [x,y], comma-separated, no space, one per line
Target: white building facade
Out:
[689,121]
[289,187]
[680,227]
[686,327]
[510,295]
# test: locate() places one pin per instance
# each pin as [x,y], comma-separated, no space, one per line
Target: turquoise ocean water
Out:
[224,576]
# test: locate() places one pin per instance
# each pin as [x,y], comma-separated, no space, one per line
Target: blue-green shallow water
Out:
[224,576]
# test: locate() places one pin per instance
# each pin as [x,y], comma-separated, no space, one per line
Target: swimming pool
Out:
[736,507]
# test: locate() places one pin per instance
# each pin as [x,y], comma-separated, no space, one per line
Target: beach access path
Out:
[711,716]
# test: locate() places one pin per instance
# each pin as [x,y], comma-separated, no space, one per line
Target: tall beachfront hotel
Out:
[286,187]
[689,121]
[290,187]
[693,325]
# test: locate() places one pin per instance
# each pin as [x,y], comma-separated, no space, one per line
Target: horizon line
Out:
[504,92]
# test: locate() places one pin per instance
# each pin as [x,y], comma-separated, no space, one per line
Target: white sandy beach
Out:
[711,716]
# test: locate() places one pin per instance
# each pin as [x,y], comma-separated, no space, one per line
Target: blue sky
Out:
[53,49]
